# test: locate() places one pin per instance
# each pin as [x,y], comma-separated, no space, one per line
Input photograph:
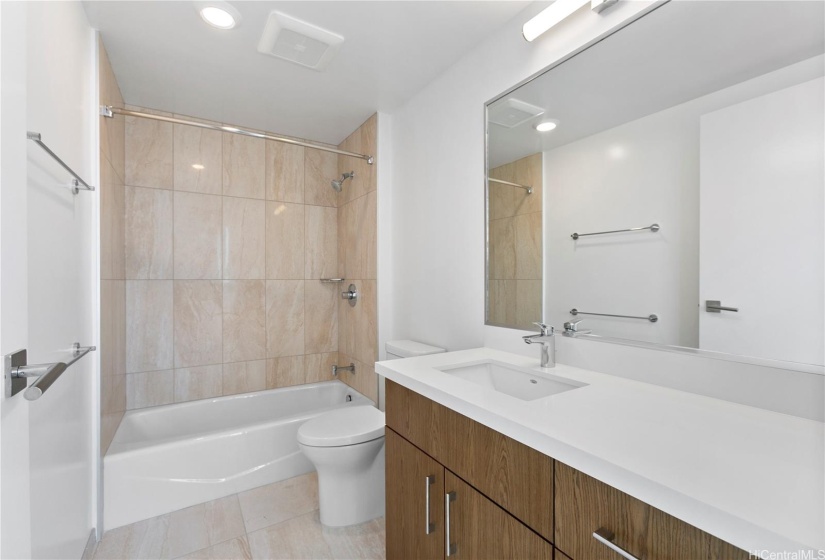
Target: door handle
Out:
[429,527]
[715,306]
[451,548]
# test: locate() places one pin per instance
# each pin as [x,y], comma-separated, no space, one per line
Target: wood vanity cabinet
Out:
[477,529]
[510,500]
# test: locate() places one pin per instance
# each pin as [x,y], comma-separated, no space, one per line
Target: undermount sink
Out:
[511,380]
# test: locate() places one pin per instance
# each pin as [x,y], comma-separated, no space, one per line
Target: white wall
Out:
[437,222]
[57,233]
[15,510]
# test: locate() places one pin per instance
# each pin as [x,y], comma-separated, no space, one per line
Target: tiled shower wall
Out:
[227,238]
[112,258]
[515,237]
[357,254]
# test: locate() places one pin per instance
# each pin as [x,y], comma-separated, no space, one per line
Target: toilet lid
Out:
[345,426]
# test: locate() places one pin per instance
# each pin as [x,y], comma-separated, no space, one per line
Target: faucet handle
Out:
[572,326]
[545,330]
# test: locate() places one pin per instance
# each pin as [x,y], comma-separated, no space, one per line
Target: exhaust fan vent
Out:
[512,112]
[298,41]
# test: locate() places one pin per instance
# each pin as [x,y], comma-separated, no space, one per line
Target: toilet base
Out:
[350,482]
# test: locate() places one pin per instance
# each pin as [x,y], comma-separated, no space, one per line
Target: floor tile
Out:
[234,549]
[203,525]
[144,539]
[279,501]
[365,541]
[296,539]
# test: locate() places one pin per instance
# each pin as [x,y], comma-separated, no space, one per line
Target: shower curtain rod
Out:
[110,112]
[527,188]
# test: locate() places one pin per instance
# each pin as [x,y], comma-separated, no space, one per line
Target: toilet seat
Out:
[342,427]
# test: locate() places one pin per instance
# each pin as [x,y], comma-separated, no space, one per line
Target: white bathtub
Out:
[170,457]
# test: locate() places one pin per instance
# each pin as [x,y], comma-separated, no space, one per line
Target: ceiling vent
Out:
[512,112]
[298,41]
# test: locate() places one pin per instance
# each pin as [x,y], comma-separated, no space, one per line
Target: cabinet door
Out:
[479,529]
[413,530]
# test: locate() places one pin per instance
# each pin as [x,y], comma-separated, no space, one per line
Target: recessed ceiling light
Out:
[197,166]
[219,14]
[547,126]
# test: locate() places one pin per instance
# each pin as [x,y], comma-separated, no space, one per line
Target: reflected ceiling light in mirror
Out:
[197,166]
[547,126]
[221,15]
[556,12]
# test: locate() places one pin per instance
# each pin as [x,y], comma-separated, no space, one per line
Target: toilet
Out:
[347,448]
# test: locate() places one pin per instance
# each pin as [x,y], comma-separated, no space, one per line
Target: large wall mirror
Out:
[667,184]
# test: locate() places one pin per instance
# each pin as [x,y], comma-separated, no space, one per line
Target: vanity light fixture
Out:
[547,126]
[556,12]
[219,14]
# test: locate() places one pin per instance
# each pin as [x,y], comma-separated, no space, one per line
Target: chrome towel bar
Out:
[652,317]
[528,188]
[652,227]
[16,370]
[77,182]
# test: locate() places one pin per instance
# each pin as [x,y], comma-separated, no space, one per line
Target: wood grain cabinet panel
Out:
[514,476]
[559,555]
[407,470]
[584,505]
[479,529]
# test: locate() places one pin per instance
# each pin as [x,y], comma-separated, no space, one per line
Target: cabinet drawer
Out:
[516,477]
[585,505]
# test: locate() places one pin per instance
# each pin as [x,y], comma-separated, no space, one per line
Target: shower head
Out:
[337,184]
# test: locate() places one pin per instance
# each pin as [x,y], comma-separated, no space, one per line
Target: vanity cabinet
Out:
[430,509]
[511,501]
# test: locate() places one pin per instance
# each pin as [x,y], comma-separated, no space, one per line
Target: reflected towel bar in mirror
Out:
[653,228]
[652,317]
[529,189]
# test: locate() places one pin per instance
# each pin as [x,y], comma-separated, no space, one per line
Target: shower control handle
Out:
[350,294]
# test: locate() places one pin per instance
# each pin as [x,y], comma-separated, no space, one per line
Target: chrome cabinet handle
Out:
[451,548]
[430,526]
[606,537]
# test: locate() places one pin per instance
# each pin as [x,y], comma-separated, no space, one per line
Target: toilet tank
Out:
[404,349]
[409,349]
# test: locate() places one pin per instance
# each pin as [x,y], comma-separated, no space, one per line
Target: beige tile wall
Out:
[357,252]
[112,258]
[222,290]
[515,244]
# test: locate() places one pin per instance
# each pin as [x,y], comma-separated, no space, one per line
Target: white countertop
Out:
[751,477]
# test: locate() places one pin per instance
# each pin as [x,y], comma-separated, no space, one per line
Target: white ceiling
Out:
[681,51]
[165,57]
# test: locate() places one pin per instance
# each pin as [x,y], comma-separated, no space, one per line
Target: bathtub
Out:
[170,457]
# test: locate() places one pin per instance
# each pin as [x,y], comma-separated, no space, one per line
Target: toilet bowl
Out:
[347,448]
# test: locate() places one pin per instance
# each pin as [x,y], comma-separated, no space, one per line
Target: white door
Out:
[47,293]
[762,226]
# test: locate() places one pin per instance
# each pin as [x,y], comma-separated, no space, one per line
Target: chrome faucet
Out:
[548,344]
[571,328]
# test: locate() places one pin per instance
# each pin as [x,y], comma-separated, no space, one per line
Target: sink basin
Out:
[511,380]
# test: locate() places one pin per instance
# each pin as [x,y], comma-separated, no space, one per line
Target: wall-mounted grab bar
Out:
[16,370]
[652,317]
[110,111]
[653,228]
[528,188]
[77,182]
